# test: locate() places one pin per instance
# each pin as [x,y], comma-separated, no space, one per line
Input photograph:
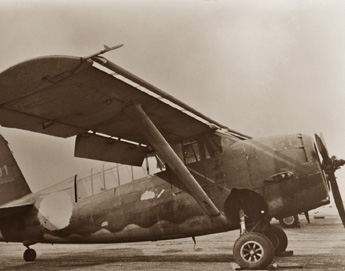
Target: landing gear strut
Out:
[29,255]
[252,250]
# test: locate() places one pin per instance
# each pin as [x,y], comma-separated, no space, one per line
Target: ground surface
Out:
[318,246]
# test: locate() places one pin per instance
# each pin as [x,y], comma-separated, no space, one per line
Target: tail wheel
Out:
[253,251]
[29,255]
[289,222]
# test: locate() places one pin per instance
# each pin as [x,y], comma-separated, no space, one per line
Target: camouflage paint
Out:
[160,207]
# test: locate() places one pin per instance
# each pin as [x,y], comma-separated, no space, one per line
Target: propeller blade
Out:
[330,165]
[337,197]
[321,145]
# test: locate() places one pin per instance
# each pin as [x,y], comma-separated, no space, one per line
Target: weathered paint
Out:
[55,211]
[160,207]
[104,224]
[160,193]
[148,195]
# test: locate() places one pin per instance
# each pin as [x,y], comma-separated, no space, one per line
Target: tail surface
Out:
[12,182]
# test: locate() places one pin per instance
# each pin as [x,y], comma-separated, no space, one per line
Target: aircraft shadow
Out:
[100,257]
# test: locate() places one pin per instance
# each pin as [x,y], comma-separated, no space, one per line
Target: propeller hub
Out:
[332,164]
[337,163]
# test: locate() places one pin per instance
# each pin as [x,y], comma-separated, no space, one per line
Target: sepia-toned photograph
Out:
[172,135]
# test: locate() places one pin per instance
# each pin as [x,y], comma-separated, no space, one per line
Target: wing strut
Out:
[112,66]
[159,143]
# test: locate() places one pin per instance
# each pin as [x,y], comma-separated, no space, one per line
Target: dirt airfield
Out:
[318,246]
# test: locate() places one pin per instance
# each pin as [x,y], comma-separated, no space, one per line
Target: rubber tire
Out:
[258,239]
[29,255]
[289,224]
[273,238]
[282,238]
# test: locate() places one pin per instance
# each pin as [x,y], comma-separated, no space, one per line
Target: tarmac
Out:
[316,246]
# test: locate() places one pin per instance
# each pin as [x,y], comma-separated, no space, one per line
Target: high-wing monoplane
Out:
[176,173]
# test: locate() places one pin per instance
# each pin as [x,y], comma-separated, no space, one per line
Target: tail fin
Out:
[12,182]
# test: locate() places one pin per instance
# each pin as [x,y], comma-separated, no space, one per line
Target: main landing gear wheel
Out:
[253,251]
[289,222]
[29,255]
[273,238]
[279,240]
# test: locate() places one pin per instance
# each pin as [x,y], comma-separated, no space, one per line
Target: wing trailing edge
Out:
[101,148]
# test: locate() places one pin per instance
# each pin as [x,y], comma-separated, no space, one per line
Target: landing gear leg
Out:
[29,255]
[243,229]
[252,250]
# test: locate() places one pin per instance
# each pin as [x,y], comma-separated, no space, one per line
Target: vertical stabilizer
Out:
[12,182]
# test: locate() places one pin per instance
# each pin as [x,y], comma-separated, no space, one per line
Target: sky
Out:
[259,67]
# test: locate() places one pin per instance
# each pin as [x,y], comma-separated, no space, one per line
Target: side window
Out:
[84,188]
[154,164]
[205,154]
[213,144]
[194,151]
[191,152]
[97,183]
[111,178]
[138,173]
[125,174]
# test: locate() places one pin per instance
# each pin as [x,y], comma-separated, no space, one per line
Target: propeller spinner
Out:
[330,165]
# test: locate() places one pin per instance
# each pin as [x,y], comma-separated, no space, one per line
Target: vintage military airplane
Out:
[209,178]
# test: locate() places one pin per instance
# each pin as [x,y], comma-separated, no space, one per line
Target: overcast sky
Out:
[260,67]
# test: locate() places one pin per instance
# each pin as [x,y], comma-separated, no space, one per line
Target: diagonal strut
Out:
[159,143]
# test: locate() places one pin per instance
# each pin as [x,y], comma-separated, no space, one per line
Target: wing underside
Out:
[116,116]
[67,96]
[63,96]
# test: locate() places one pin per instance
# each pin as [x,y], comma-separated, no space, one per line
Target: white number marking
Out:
[3,171]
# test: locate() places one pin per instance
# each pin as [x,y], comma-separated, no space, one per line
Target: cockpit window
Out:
[191,152]
[199,149]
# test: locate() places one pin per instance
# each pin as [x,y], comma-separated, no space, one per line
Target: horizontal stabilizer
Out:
[16,206]
[9,211]
[101,148]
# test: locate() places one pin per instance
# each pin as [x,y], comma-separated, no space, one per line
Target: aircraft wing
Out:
[66,96]
[116,116]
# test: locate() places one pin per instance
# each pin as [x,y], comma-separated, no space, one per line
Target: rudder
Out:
[12,182]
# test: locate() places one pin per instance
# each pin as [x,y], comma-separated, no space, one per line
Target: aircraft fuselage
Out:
[269,177]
